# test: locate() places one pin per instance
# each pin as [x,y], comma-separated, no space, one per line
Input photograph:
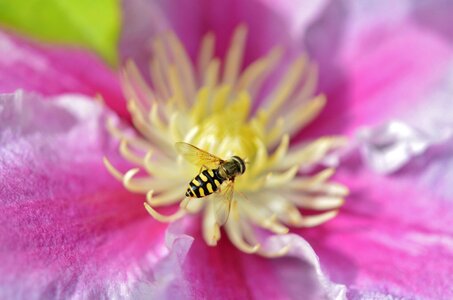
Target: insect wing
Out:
[222,203]
[197,156]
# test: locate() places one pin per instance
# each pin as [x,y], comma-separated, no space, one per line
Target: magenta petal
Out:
[52,70]
[67,228]
[435,15]
[224,272]
[311,281]
[168,281]
[270,24]
[394,235]
[142,20]
[387,148]
[375,63]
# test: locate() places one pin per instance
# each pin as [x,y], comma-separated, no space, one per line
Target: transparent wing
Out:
[222,202]
[197,156]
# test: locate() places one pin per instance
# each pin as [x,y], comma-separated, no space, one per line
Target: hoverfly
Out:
[214,172]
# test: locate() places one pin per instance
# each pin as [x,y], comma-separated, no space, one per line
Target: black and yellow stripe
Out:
[204,184]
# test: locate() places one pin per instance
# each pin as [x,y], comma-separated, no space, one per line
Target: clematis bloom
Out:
[69,229]
[214,112]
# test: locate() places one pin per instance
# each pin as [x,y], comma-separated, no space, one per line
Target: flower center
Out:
[224,131]
[211,111]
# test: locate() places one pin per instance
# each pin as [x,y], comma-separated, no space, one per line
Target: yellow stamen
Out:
[276,180]
[211,231]
[194,206]
[315,220]
[304,114]
[310,83]
[206,52]
[155,118]
[157,71]
[176,87]
[132,185]
[128,154]
[236,236]
[132,75]
[166,198]
[117,174]
[212,74]
[118,134]
[234,57]
[162,218]
[264,218]
[186,72]
[253,76]
[286,87]
[214,106]
[319,203]
[312,153]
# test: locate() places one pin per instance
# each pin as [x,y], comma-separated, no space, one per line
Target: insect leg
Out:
[203,167]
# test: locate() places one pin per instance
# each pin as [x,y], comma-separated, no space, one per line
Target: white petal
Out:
[389,147]
[301,249]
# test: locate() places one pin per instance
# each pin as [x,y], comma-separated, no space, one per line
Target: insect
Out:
[216,177]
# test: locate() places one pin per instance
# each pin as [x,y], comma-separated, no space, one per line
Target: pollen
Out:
[227,109]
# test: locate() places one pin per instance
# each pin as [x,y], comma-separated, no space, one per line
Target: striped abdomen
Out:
[204,184]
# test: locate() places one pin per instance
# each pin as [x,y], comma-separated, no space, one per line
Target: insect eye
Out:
[243,165]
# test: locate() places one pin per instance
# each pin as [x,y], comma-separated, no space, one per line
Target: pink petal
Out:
[394,235]
[224,272]
[388,148]
[375,62]
[393,238]
[67,228]
[435,15]
[168,281]
[142,21]
[268,22]
[52,70]
[423,127]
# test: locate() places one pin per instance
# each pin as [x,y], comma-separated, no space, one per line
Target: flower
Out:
[68,229]
[214,112]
